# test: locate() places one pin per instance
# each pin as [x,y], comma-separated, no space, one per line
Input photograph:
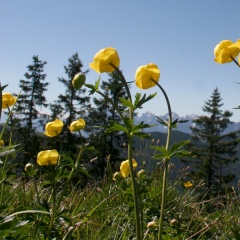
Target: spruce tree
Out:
[71,105]
[28,106]
[213,147]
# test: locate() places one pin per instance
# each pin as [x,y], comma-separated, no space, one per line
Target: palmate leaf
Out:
[126,103]
[140,101]
[93,88]
[114,126]
[142,135]
[162,122]
[174,151]
[163,152]
[141,126]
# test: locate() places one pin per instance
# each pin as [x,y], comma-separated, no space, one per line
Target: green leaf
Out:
[141,126]
[162,122]
[126,103]
[142,135]
[176,149]
[176,122]
[163,152]
[140,101]
[116,127]
[94,88]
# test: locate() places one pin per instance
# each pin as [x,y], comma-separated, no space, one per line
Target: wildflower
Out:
[152,225]
[173,222]
[78,80]
[125,169]
[187,184]
[54,128]
[117,176]
[145,74]
[8,100]
[226,51]
[104,58]
[141,173]
[29,169]
[48,157]
[77,125]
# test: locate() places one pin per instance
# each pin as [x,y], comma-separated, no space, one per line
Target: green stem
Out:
[53,203]
[123,81]
[137,210]
[235,61]
[166,161]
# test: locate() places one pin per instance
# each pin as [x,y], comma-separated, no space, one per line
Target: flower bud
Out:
[117,176]
[173,222]
[78,80]
[29,169]
[141,173]
[152,225]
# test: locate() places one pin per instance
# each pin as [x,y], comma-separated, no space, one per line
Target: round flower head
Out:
[8,100]
[77,125]
[187,184]
[48,157]
[125,169]
[225,51]
[145,74]
[78,80]
[54,128]
[103,59]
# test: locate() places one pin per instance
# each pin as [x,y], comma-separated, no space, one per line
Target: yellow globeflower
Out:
[77,125]
[54,128]
[187,184]
[8,100]
[48,157]
[145,74]
[226,50]
[103,59]
[125,169]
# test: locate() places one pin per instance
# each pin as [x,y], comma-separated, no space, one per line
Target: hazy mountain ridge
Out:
[150,118]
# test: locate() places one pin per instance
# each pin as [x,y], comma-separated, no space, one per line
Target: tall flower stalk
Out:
[165,162]
[107,60]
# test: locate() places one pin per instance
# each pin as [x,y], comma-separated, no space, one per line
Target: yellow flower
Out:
[77,125]
[226,50]
[187,184]
[145,74]
[103,59]
[54,128]
[48,157]
[78,80]
[125,169]
[8,100]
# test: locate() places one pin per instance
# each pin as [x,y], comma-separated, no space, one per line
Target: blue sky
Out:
[178,36]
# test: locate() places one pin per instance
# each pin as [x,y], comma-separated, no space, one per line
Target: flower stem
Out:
[53,197]
[235,61]
[137,210]
[165,162]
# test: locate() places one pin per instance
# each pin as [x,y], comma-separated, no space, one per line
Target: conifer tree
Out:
[29,104]
[71,105]
[213,147]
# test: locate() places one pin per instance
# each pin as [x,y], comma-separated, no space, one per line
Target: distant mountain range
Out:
[150,118]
